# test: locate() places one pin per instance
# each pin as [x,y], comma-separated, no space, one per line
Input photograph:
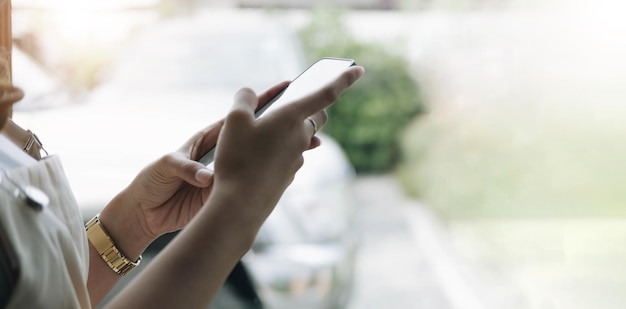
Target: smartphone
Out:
[311,80]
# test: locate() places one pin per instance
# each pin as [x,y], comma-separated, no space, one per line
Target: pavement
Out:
[406,257]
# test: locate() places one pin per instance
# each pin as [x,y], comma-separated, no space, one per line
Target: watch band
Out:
[105,246]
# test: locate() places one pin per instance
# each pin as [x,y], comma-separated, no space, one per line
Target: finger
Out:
[244,105]
[269,94]
[188,170]
[329,93]
[203,141]
[311,126]
[10,95]
[320,118]
[315,142]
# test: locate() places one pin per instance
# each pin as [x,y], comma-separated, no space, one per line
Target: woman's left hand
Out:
[162,198]
[168,193]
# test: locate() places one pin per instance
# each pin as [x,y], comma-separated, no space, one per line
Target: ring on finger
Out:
[313,123]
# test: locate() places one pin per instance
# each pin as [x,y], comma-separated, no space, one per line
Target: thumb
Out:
[192,172]
[202,175]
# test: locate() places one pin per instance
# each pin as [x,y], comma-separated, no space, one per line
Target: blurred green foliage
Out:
[370,116]
[533,160]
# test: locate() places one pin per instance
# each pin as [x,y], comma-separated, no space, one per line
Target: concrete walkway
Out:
[406,258]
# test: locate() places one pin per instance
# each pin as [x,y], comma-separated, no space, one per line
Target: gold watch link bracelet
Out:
[105,246]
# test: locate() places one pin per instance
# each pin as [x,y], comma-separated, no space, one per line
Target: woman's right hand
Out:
[257,159]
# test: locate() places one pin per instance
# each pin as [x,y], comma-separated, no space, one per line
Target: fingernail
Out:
[204,175]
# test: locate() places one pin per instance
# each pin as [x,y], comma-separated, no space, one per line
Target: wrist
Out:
[242,212]
[125,228]
[107,249]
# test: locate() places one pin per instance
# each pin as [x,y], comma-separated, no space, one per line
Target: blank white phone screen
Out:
[316,76]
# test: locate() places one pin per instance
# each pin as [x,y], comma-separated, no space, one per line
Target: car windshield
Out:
[200,61]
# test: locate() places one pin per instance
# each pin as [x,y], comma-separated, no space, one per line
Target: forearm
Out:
[121,225]
[192,268]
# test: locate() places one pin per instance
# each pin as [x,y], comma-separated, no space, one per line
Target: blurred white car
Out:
[177,77]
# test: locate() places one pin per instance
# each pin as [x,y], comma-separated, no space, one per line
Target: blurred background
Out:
[477,164]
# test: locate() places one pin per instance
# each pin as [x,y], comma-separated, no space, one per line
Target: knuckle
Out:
[236,115]
[246,91]
[245,94]
[168,159]
[323,117]
[176,162]
[330,94]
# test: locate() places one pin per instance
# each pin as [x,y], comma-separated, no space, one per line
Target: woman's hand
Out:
[168,193]
[162,198]
[257,159]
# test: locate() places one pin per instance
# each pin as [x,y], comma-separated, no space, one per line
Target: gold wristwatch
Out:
[105,246]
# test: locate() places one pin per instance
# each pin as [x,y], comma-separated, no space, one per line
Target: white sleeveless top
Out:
[51,244]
